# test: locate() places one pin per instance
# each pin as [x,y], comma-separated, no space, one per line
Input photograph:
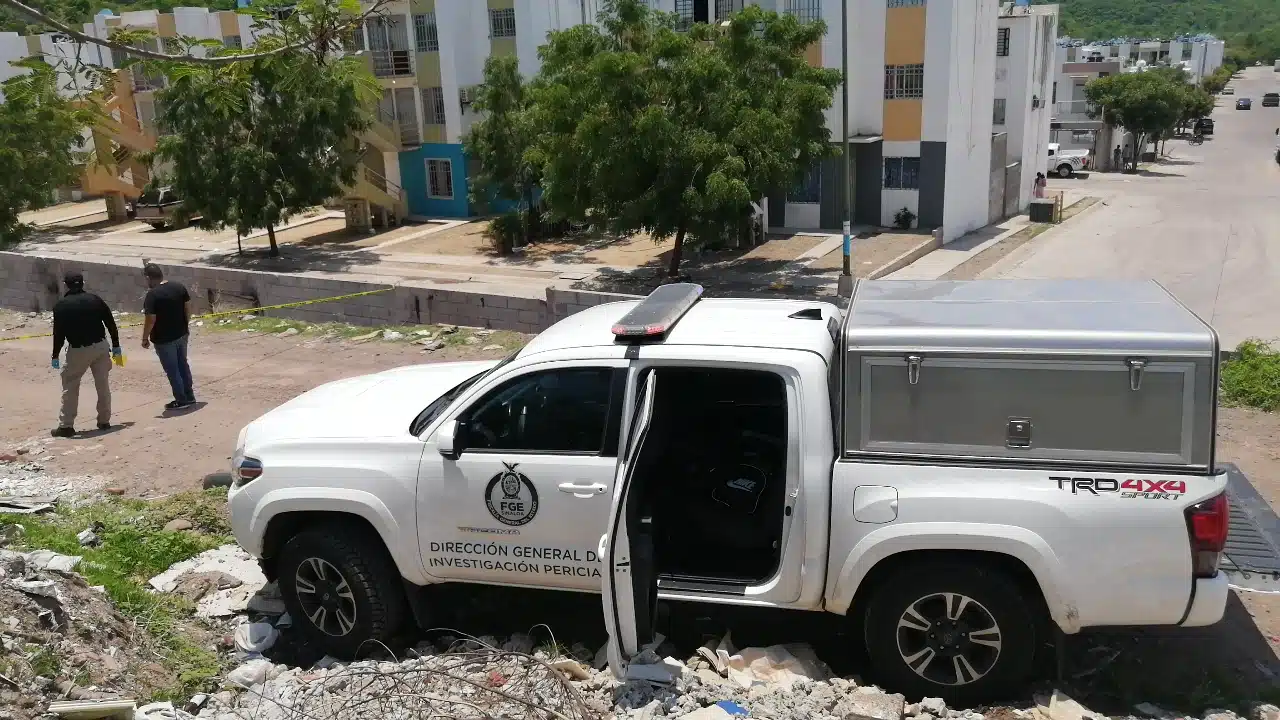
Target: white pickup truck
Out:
[1067,162]
[956,467]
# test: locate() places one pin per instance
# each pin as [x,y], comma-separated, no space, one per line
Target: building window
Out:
[905,3]
[903,81]
[232,42]
[997,115]
[725,8]
[684,14]
[809,188]
[1114,51]
[902,173]
[433,105]
[803,10]
[1055,93]
[353,39]
[1002,42]
[426,38]
[502,23]
[1186,51]
[440,179]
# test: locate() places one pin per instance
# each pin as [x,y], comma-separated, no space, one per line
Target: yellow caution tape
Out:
[241,311]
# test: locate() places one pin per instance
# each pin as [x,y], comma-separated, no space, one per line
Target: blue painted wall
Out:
[413,178]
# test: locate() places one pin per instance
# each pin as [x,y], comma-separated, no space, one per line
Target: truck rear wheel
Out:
[342,589]
[1064,171]
[965,633]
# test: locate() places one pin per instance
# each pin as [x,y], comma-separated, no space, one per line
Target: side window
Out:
[564,410]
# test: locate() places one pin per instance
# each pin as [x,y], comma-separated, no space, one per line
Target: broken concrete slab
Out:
[94,709]
[227,559]
[873,706]
[50,560]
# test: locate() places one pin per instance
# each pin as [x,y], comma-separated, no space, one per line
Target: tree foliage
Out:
[1146,104]
[646,128]
[501,141]
[252,143]
[1251,28]
[40,143]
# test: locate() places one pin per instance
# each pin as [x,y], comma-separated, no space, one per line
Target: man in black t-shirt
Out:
[82,322]
[167,308]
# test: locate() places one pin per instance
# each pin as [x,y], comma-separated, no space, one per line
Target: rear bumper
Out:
[1208,601]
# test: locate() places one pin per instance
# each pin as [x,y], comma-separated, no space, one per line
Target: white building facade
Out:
[1025,69]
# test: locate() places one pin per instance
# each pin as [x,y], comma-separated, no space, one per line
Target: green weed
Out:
[1252,377]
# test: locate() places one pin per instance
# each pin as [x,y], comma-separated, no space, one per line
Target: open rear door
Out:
[628,584]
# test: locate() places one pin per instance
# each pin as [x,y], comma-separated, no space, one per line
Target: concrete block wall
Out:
[32,283]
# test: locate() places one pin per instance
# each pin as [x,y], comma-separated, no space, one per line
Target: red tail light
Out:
[1207,523]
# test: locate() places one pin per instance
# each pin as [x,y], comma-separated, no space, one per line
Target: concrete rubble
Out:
[236,577]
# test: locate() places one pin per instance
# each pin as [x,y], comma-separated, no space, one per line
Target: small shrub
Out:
[1253,377]
[505,232]
[903,219]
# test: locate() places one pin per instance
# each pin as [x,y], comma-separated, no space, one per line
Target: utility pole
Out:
[845,284]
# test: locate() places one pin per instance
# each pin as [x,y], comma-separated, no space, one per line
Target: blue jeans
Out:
[173,358]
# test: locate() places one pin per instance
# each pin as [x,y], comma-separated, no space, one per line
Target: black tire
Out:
[1064,171]
[375,590]
[925,587]
[157,226]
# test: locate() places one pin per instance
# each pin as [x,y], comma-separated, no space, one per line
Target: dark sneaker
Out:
[63,432]
[173,405]
[188,402]
[104,426]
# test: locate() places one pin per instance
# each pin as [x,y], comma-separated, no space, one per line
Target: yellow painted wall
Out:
[433,134]
[813,54]
[902,119]
[428,69]
[166,26]
[500,47]
[904,36]
[501,4]
[33,46]
[418,7]
[228,23]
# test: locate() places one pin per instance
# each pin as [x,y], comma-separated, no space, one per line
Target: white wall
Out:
[866,67]
[12,47]
[973,34]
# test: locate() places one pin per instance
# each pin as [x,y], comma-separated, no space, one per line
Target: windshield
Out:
[442,403]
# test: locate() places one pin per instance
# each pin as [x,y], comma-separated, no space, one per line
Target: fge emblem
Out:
[510,497]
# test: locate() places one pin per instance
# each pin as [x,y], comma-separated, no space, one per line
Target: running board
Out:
[713,587]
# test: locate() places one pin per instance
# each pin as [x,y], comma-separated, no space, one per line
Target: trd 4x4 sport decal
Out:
[1132,488]
[510,497]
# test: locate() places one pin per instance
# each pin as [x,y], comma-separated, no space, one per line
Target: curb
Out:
[906,258]
[1018,256]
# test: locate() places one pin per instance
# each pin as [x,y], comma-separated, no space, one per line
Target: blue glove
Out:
[56,363]
[116,351]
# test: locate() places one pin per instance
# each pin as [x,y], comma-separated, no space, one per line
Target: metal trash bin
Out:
[1042,210]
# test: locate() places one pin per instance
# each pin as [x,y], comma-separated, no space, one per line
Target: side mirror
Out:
[449,439]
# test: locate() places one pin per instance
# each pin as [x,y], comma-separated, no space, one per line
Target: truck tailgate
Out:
[1252,556]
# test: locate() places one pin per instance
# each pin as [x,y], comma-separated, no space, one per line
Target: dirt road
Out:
[238,376]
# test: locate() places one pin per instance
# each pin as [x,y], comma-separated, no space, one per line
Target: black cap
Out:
[73,278]
[152,270]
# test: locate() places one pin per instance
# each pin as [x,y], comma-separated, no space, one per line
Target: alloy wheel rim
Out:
[325,597]
[949,639]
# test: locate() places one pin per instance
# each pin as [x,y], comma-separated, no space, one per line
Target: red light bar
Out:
[657,314]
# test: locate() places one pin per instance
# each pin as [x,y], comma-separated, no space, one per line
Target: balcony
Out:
[1073,109]
[392,63]
[143,82]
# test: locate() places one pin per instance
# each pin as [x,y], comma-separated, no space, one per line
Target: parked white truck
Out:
[957,467]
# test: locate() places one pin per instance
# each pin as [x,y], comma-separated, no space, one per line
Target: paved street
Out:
[1205,224]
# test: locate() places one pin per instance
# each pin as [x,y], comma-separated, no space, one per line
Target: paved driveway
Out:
[1206,224]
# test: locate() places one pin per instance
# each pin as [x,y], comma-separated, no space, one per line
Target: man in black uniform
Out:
[167,308]
[83,320]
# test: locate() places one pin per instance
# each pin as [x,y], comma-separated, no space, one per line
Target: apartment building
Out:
[131,107]
[1023,109]
[1198,55]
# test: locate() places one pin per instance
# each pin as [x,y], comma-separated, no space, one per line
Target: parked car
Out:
[1228,91]
[1271,100]
[1065,163]
[160,207]
[926,464]
[1204,125]
[1244,104]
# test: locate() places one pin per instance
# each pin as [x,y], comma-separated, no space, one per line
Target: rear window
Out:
[169,196]
[149,197]
[1272,95]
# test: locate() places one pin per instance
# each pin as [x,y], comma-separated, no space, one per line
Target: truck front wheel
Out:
[342,589]
[963,633]
[1065,171]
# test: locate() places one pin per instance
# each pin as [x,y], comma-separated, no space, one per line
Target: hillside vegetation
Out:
[1251,28]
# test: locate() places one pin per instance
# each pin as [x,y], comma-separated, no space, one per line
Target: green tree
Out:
[1218,80]
[40,143]
[500,143]
[646,128]
[252,143]
[1144,103]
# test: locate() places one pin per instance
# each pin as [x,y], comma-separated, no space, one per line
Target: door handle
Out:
[582,491]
